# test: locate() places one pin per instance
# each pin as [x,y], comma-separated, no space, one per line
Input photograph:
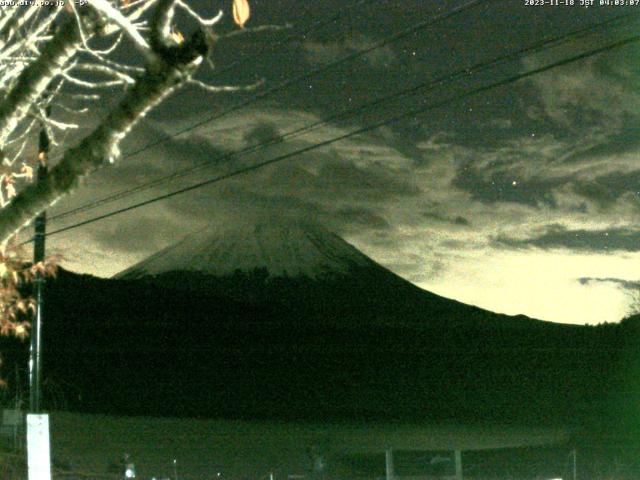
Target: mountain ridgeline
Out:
[291,322]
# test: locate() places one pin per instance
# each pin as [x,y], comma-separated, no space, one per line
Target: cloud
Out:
[630,288]
[465,203]
[322,53]
[409,206]
[540,282]
[505,186]
[596,92]
[344,186]
[457,220]
[557,236]
[631,285]
[361,217]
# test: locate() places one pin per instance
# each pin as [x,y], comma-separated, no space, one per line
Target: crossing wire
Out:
[305,75]
[312,28]
[316,71]
[317,25]
[349,113]
[365,129]
[345,114]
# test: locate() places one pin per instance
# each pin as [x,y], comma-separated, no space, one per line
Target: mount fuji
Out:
[286,320]
[282,249]
[305,267]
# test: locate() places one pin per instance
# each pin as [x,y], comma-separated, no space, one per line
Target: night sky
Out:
[521,199]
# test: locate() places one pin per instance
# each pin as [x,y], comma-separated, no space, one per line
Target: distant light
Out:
[130,472]
[514,183]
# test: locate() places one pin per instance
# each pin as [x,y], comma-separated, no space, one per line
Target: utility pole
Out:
[35,357]
[38,444]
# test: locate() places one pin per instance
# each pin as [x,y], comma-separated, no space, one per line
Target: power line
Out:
[409,113]
[352,56]
[322,68]
[479,67]
[315,26]
[307,31]
[292,81]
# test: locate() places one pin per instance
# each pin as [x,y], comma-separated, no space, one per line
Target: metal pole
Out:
[388,456]
[458,460]
[35,356]
[575,466]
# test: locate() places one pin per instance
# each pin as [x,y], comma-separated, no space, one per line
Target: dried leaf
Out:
[21,331]
[8,185]
[22,306]
[38,267]
[177,35]
[5,330]
[28,172]
[241,12]
[51,270]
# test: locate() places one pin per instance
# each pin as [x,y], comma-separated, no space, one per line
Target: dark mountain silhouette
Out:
[310,328]
[307,269]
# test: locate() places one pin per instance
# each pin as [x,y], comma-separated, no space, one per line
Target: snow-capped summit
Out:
[283,248]
[304,268]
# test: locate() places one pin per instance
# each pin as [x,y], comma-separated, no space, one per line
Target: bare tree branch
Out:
[174,66]
[15,19]
[202,21]
[127,27]
[225,88]
[35,78]
[49,57]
